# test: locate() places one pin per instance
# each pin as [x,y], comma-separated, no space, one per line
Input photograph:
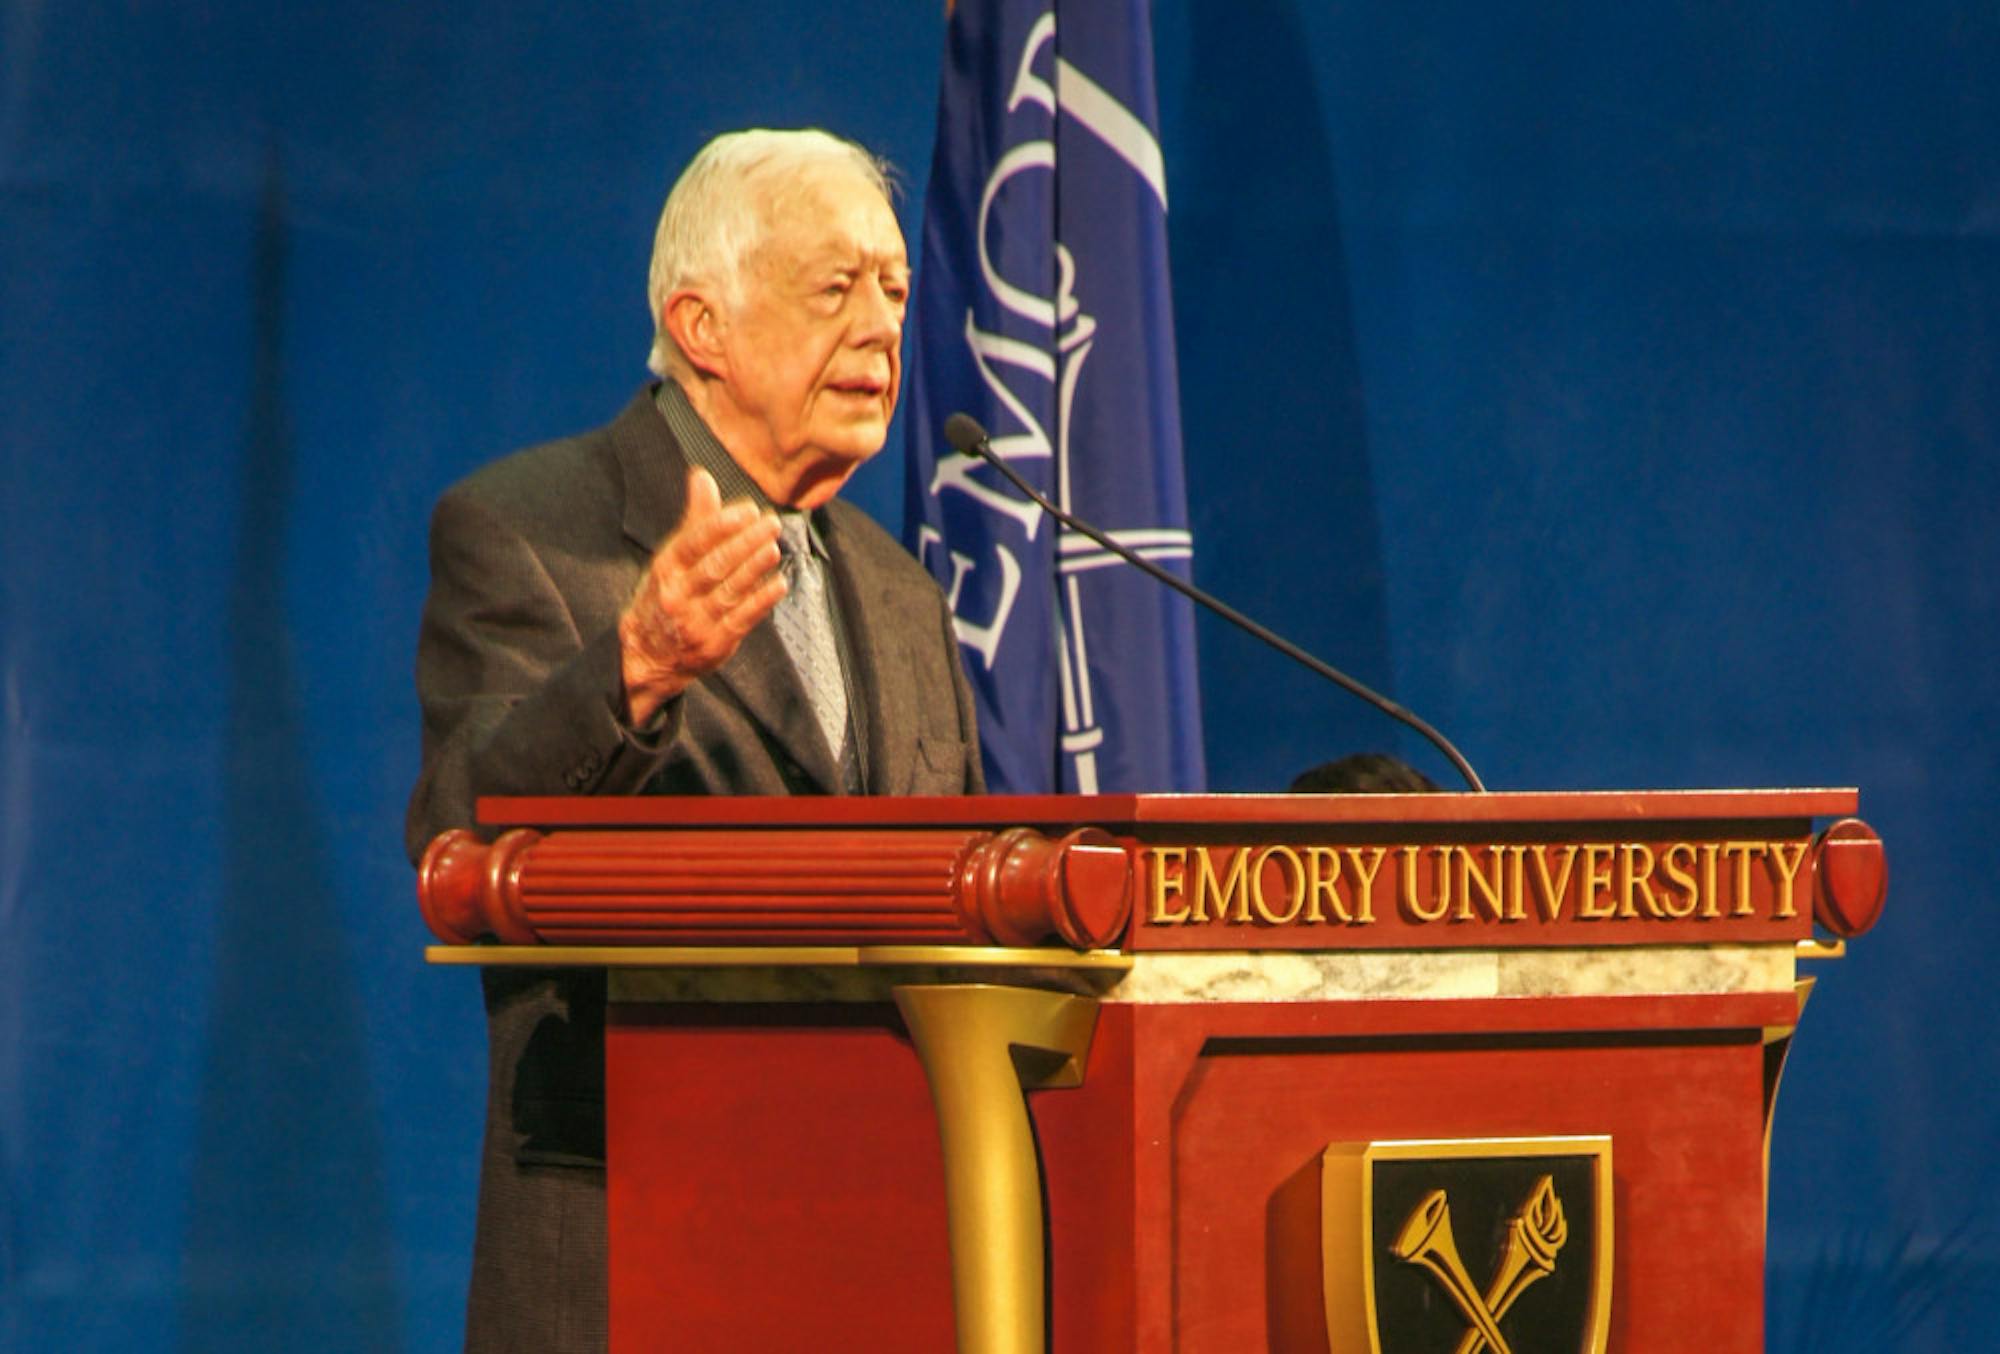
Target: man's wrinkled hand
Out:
[706,588]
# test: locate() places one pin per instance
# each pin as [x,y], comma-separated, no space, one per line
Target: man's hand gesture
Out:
[706,588]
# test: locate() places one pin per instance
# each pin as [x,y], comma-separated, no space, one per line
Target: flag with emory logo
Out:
[1042,309]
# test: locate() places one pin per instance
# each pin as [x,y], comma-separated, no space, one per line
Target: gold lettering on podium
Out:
[1597,880]
[1226,892]
[1295,888]
[1742,853]
[1505,887]
[1677,863]
[1785,859]
[1551,892]
[1167,881]
[1364,896]
[1471,880]
[1440,901]
[1322,880]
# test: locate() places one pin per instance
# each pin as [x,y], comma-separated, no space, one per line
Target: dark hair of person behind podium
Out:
[1363,773]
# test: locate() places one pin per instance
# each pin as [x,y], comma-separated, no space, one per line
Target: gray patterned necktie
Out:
[805,627]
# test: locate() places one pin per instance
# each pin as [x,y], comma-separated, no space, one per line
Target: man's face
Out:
[813,349]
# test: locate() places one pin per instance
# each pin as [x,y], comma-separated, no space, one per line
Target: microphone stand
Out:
[968,438]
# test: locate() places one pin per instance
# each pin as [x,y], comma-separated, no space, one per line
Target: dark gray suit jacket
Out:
[532,559]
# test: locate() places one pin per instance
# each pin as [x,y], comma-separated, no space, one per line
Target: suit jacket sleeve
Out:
[517,699]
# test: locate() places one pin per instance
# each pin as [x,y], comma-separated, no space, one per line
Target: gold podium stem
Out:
[1778,1043]
[982,1047]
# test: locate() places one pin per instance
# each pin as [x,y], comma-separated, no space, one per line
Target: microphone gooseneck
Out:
[969,439]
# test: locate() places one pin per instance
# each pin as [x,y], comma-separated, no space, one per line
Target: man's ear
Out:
[696,327]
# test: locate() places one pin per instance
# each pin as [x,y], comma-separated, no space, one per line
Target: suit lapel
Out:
[654,472]
[759,675]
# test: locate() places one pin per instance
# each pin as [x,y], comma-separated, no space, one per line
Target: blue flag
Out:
[1042,309]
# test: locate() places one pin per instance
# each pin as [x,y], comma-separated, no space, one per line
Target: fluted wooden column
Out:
[948,886]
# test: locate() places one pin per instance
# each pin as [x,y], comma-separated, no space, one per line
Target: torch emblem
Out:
[1445,1246]
[1535,1236]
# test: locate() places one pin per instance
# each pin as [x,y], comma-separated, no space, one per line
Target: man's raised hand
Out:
[706,587]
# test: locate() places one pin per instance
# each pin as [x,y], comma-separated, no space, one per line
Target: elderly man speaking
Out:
[677,604]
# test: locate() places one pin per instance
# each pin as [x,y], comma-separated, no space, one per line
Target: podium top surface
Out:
[1588,806]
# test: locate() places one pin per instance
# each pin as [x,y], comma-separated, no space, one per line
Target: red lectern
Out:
[1458,1073]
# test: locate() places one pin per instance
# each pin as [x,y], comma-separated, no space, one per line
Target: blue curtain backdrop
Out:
[1619,387]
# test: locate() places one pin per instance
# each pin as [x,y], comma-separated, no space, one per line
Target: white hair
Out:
[716,217]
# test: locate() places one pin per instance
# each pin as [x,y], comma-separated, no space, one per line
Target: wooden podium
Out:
[1181,1073]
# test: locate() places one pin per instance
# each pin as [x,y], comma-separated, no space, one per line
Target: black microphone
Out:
[969,439]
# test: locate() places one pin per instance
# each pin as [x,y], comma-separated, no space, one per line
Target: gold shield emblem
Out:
[1460,1246]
